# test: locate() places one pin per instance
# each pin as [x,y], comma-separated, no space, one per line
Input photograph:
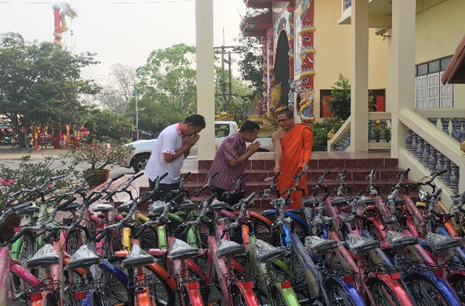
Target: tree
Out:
[339,105]
[41,84]
[153,116]
[104,124]
[251,62]
[169,77]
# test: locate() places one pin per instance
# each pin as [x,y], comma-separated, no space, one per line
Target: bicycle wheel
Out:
[262,230]
[337,296]
[382,293]
[458,283]
[163,293]
[26,250]
[72,241]
[426,292]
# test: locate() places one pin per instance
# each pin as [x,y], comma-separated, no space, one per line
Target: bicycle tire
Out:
[165,296]
[26,250]
[72,241]
[427,292]
[240,299]
[458,283]
[337,295]
[382,293]
[262,230]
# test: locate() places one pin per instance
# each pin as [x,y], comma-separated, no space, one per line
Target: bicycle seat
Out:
[182,250]
[359,244]
[266,252]
[317,246]
[311,203]
[230,248]
[137,257]
[339,201]
[103,208]
[441,243]
[218,205]
[400,240]
[157,207]
[187,206]
[83,258]
[71,206]
[368,201]
[46,256]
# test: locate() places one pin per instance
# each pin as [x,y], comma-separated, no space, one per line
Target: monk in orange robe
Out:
[293,147]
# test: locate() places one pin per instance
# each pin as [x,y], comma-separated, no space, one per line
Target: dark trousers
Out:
[221,195]
[163,191]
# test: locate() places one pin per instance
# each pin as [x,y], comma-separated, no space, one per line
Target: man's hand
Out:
[253,147]
[191,141]
[304,166]
[276,168]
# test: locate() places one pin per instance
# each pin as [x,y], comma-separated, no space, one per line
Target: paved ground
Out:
[11,157]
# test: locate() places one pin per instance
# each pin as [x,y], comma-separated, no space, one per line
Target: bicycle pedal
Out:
[214,303]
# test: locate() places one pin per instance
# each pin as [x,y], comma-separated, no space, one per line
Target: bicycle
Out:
[191,282]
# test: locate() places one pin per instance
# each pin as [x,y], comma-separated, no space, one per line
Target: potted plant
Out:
[100,156]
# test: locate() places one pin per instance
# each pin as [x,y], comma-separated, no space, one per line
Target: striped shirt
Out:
[231,148]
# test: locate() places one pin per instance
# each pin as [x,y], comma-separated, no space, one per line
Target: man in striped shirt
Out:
[229,161]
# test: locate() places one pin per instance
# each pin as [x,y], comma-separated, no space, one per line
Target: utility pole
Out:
[137,113]
[230,75]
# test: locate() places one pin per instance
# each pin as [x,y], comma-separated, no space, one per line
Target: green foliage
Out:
[101,123]
[153,116]
[339,105]
[388,134]
[100,155]
[41,84]
[320,133]
[169,78]
[251,62]
[30,175]
[377,131]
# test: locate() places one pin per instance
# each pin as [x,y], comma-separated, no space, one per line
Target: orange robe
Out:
[296,148]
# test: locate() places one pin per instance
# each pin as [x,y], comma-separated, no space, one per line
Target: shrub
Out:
[320,133]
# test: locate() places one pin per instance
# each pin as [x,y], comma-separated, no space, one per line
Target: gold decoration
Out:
[276,94]
[266,123]
[222,116]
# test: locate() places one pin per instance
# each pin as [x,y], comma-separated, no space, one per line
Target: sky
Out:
[120,31]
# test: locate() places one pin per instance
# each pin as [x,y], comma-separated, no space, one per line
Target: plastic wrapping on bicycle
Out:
[266,252]
[230,248]
[45,256]
[82,258]
[441,243]
[137,258]
[317,246]
[359,244]
[400,240]
[182,250]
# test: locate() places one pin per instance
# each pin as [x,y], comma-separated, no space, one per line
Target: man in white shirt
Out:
[171,148]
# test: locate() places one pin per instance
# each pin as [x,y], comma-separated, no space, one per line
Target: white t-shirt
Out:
[169,141]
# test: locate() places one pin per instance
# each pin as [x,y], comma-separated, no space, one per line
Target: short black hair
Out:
[249,126]
[196,120]
[286,112]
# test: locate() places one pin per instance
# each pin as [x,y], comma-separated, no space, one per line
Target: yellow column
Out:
[359,77]
[402,77]
[205,77]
